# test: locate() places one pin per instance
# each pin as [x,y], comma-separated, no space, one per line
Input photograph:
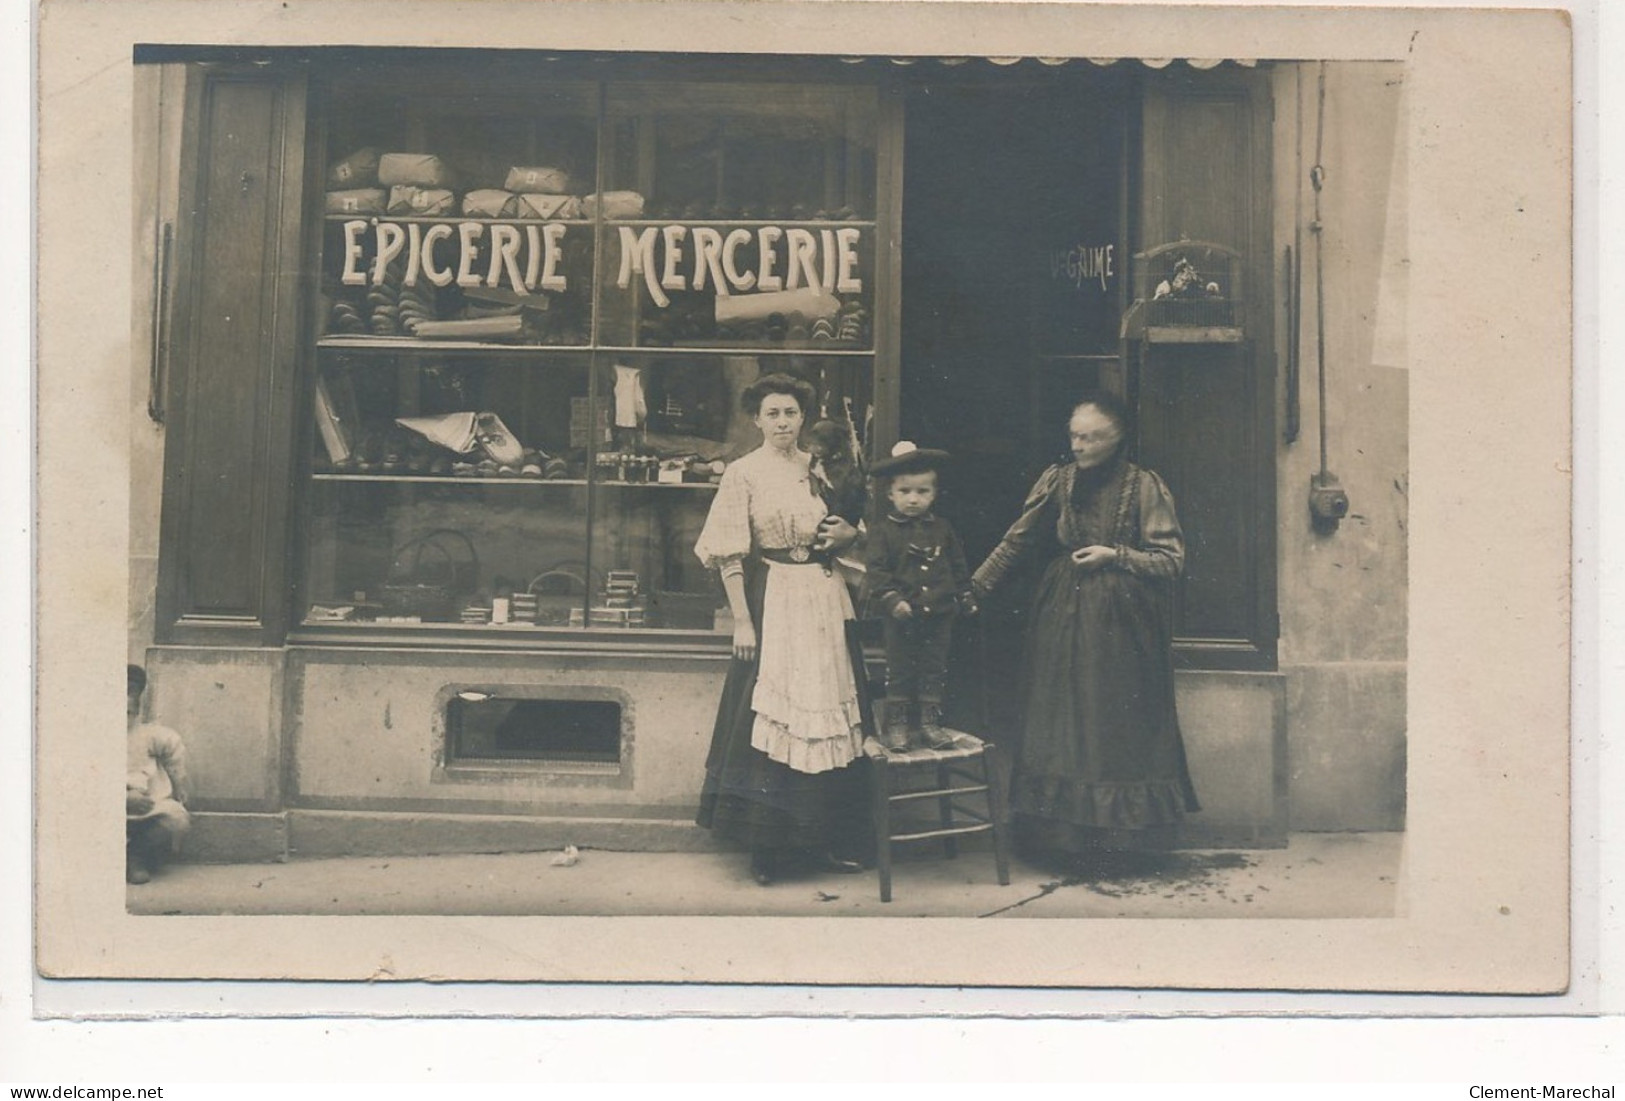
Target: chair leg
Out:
[880,802]
[997,782]
[945,805]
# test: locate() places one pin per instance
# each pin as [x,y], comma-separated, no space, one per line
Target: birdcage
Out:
[1187,292]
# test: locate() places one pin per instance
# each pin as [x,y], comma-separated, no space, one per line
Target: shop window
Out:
[482,727]
[536,313]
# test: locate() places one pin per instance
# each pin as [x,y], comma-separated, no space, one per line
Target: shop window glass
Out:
[527,377]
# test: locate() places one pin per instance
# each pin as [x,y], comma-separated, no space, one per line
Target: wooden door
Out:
[1206,409]
[223,561]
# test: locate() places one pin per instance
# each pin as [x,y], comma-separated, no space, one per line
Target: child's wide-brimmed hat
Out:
[906,458]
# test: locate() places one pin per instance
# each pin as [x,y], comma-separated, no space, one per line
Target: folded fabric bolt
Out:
[405,199]
[359,169]
[549,206]
[367,200]
[464,432]
[413,170]
[615,204]
[490,203]
[805,303]
[453,431]
[552,180]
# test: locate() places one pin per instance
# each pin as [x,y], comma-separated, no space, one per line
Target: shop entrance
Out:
[1014,270]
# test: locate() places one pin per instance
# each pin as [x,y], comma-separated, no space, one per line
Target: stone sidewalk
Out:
[1352,875]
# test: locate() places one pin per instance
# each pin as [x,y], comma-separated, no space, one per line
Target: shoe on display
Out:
[497,441]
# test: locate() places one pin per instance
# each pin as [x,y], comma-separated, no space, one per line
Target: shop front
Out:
[446,353]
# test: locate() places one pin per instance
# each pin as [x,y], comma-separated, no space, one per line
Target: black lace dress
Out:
[1101,763]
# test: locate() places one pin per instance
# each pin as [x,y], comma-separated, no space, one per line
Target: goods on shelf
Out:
[549,206]
[490,203]
[620,604]
[366,200]
[551,181]
[359,169]
[421,202]
[429,574]
[614,204]
[413,170]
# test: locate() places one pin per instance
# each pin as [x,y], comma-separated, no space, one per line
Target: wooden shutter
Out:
[1206,410]
[223,561]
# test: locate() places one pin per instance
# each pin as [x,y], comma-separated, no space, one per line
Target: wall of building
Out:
[1343,595]
[369,731]
[159,115]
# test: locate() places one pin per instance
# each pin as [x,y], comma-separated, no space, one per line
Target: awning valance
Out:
[1053,62]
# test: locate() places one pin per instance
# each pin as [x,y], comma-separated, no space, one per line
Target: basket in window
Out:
[557,591]
[430,574]
[1187,292]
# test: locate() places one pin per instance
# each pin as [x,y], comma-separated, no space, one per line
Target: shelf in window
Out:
[708,348]
[445,479]
[678,219]
[432,347]
[620,642]
[1194,334]
[496,480]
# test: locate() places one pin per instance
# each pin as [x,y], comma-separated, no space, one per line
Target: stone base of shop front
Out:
[366,764]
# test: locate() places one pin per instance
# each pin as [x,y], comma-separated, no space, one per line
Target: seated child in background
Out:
[917,579]
[155,792]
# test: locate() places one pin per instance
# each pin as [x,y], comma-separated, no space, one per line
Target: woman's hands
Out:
[1094,557]
[745,640]
[835,533]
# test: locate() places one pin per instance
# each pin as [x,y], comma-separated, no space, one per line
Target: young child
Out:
[155,792]
[918,581]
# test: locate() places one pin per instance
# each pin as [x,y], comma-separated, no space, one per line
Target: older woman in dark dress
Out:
[1101,763]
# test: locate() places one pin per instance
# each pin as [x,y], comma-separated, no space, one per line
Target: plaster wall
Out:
[158,118]
[227,706]
[1343,594]
[368,732]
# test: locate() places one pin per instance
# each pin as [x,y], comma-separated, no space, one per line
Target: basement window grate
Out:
[494,728]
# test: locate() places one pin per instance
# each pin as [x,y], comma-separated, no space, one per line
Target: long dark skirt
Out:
[756,802]
[1101,762]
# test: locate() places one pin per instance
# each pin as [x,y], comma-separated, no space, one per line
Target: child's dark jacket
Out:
[918,560]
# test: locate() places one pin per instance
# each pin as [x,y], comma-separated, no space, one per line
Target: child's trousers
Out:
[917,657]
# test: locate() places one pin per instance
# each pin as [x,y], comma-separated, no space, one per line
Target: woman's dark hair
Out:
[1109,404]
[135,679]
[751,399]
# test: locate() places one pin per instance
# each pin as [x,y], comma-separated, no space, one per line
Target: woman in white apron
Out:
[779,779]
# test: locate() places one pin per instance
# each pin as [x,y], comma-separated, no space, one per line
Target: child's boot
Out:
[895,733]
[931,730]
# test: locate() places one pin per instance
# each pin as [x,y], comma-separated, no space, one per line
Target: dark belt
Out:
[789,556]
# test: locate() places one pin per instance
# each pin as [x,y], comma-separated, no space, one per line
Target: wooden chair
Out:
[972,768]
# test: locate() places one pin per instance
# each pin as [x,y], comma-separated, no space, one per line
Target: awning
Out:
[1104,62]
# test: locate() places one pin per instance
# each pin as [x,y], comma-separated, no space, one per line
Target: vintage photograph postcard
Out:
[804,492]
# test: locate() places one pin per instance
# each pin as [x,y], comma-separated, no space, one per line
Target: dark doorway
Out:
[1014,269]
